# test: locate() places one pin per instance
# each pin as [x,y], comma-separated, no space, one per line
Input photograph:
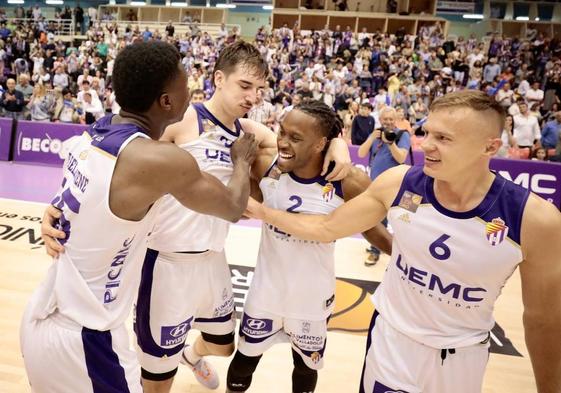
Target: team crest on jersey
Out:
[410,201]
[496,231]
[83,155]
[328,191]
[207,125]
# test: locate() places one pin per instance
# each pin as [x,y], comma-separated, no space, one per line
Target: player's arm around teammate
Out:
[375,200]
[353,185]
[541,284]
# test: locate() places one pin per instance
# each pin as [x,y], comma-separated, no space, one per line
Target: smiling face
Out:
[299,138]
[457,140]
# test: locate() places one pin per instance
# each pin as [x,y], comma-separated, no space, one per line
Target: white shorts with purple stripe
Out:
[395,363]
[260,330]
[62,357]
[179,292]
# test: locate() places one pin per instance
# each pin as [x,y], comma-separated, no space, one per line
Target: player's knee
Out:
[304,378]
[243,365]
[157,383]
[219,345]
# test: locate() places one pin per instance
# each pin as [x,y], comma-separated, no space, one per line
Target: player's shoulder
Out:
[184,130]
[154,158]
[540,215]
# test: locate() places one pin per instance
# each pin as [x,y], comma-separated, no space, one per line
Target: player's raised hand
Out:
[245,149]
[339,153]
[254,209]
[49,233]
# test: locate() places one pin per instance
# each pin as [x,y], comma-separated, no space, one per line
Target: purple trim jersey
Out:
[447,269]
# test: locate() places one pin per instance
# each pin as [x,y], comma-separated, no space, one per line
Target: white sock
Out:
[191,356]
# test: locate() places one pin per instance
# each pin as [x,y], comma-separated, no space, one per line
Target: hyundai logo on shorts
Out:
[179,331]
[174,335]
[256,324]
[256,327]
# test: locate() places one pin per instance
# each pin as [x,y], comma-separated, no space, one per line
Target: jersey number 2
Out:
[297,203]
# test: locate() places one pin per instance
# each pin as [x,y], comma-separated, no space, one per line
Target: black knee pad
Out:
[304,379]
[157,377]
[223,339]
[241,371]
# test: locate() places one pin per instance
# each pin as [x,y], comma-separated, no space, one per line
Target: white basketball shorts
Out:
[259,330]
[62,357]
[395,363]
[179,292]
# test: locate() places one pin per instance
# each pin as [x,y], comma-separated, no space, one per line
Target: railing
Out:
[66,27]
[180,27]
[60,26]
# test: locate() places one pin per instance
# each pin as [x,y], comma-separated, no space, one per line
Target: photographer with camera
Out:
[386,147]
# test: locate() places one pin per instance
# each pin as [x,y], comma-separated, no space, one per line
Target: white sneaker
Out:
[204,372]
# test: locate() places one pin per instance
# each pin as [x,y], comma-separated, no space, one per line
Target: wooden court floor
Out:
[23,263]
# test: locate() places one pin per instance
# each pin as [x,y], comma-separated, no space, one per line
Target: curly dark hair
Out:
[242,53]
[141,73]
[329,122]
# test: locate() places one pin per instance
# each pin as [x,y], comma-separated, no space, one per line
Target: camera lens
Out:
[390,135]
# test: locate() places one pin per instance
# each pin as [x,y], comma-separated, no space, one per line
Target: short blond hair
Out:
[476,100]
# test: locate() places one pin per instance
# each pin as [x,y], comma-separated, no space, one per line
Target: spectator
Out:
[61,78]
[67,111]
[526,129]
[505,96]
[534,95]
[25,88]
[12,101]
[540,154]
[86,88]
[491,70]
[386,147]
[551,132]
[507,138]
[197,96]
[170,30]
[262,112]
[41,104]
[363,125]
[91,107]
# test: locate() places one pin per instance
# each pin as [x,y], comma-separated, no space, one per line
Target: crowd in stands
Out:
[44,78]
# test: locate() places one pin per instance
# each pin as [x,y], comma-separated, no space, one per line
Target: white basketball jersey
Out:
[180,229]
[295,278]
[94,282]
[447,268]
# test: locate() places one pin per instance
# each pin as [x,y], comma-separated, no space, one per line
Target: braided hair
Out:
[329,122]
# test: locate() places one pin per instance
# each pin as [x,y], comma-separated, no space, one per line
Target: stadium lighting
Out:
[138,3]
[472,16]
[225,5]
[522,18]
[268,7]
[537,19]
[54,2]
[178,4]
[15,1]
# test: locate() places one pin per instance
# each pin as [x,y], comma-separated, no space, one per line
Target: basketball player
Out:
[460,231]
[284,302]
[73,337]
[185,267]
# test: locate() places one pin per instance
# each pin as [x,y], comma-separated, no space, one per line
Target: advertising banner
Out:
[542,178]
[39,142]
[5,138]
